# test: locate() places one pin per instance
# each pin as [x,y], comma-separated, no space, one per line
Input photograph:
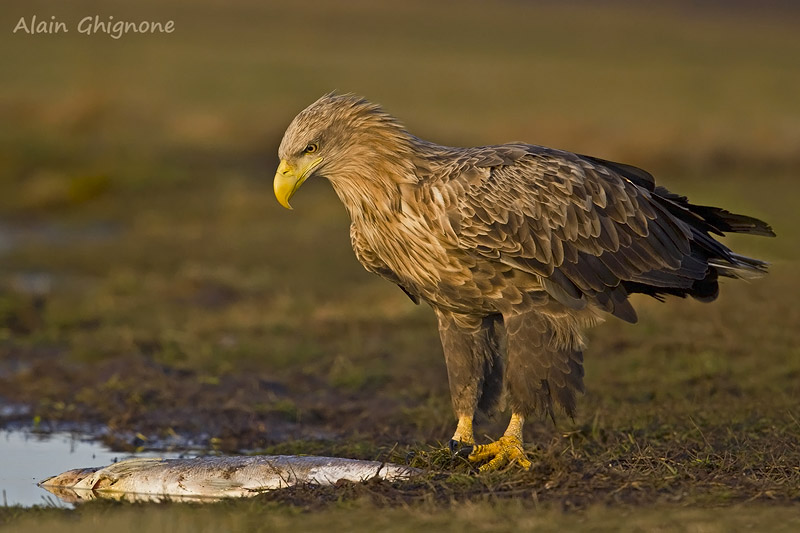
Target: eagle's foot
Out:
[460,448]
[504,451]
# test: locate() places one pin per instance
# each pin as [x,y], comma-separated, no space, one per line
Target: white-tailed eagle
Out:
[516,247]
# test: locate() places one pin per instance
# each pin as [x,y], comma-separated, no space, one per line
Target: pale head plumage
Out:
[363,151]
[346,130]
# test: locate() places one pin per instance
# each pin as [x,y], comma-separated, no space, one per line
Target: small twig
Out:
[793,418]
[708,444]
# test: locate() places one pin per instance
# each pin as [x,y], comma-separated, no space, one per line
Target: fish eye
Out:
[311,148]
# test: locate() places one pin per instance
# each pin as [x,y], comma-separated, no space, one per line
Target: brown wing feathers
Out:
[595,229]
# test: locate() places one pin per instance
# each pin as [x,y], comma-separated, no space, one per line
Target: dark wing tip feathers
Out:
[712,219]
[636,175]
[720,220]
[684,258]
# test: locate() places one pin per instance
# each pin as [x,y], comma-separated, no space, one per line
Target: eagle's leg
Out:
[505,450]
[463,434]
[545,365]
[474,369]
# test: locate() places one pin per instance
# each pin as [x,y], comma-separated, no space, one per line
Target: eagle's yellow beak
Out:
[288,179]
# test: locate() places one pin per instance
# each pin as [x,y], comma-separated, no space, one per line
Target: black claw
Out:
[454,446]
[459,448]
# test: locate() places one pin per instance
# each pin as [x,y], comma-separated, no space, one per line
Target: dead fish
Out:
[212,477]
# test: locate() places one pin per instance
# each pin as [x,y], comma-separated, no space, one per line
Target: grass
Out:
[361,515]
[149,282]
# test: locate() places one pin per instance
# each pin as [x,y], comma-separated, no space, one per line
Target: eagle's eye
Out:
[311,148]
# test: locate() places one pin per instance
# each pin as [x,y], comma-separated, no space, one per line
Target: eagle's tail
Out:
[719,260]
[742,267]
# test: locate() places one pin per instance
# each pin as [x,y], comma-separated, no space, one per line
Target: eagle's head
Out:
[339,137]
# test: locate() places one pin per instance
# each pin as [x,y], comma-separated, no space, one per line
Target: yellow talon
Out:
[504,451]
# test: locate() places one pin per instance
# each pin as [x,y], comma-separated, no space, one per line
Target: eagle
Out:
[517,248]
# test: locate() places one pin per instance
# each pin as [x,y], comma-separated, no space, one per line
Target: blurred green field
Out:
[150,282]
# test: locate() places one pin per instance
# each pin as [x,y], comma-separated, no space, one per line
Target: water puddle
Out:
[28,458]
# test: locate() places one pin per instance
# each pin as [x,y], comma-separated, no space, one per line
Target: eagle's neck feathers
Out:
[369,176]
[382,185]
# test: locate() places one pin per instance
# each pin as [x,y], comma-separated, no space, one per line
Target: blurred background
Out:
[151,284]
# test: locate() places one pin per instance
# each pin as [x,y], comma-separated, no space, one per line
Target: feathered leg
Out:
[474,368]
[544,364]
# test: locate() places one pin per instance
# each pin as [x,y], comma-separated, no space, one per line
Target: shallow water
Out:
[28,458]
